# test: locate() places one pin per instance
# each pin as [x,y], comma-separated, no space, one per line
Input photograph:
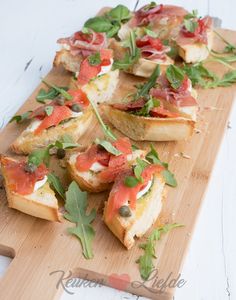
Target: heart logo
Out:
[119,282]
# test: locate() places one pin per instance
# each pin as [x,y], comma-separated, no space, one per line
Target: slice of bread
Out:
[194,53]
[68,61]
[89,180]
[101,88]
[143,67]
[147,210]
[141,128]
[76,127]
[42,203]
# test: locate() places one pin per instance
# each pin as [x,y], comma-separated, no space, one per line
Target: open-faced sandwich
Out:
[135,200]
[162,19]
[85,54]
[76,48]
[195,38]
[96,77]
[140,56]
[96,168]
[27,188]
[163,109]
[69,113]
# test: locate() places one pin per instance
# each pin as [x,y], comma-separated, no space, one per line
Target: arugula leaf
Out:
[146,260]
[76,206]
[227,80]
[150,32]
[113,31]
[39,156]
[192,15]
[153,158]
[21,118]
[138,169]
[145,110]
[48,110]
[106,129]
[108,146]
[131,57]
[61,91]
[94,59]
[198,74]
[131,181]
[119,13]
[99,24]
[111,22]
[175,76]
[190,25]
[63,145]
[55,183]
[47,95]
[229,47]
[144,89]
[224,59]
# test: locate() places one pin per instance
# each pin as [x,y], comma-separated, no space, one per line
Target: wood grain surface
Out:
[40,247]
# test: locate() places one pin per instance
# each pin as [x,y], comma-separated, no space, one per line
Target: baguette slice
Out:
[141,128]
[194,53]
[143,67]
[101,88]
[42,203]
[76,127]
[70,62]
[148,208]
[89,180]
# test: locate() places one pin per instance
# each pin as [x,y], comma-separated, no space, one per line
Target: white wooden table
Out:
[28,33]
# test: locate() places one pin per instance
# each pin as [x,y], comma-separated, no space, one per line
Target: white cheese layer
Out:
[40,183]
[106,69]
[65,46]
[97,167]
[35,123]
[144,190]
[76,114]
[33,126]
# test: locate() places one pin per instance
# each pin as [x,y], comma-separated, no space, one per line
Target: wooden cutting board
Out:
[39,247]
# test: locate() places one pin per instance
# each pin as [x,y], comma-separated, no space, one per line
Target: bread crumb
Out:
[210,108]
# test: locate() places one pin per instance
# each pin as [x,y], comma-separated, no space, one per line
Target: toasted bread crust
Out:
[101,88]
[27,141]
[149,129]
[147,210]
[67,60]
[28,205]
[194,53]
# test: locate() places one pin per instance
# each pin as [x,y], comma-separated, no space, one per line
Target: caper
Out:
[30,168]
[75,107]
[125,211]
[60,101]
[61,153]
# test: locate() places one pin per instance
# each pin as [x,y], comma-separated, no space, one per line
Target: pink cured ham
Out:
[85,44]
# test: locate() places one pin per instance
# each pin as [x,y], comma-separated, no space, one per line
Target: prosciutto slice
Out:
[152,48]
[199,35]
[145,15]
[178,97]
[84,43]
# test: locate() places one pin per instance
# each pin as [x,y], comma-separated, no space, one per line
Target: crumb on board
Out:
[197,130]
[181,154]
[211,108]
